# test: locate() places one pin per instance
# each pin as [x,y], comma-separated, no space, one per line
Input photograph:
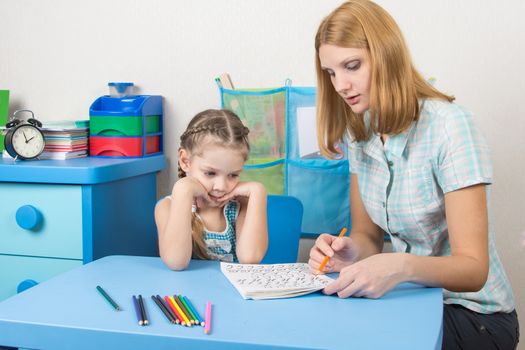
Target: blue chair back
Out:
[285,215]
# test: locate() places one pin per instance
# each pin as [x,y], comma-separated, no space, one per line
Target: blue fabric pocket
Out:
[323,186]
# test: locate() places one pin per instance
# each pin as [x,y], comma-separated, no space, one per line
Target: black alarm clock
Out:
[23,139]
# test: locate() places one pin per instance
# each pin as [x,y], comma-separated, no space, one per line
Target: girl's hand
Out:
[192,187]
[341,250]
[244,189]
[371,277]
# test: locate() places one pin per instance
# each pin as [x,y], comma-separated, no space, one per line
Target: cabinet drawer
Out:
[19,270]
[53,224]
[123,126]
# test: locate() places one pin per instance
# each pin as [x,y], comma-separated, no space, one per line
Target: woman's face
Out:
[349,70]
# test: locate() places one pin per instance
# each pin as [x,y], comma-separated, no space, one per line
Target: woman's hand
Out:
[341,250]
[371,277]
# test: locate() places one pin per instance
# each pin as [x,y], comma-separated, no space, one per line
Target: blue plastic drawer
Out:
[49,222]
[20,272]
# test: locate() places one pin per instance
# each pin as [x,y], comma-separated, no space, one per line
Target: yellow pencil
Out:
[186,320]
[325,260]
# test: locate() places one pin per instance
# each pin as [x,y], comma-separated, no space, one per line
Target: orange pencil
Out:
[182,314]
[325,260]
[172,307]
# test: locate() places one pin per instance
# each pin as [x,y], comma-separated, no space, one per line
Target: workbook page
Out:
[264,281]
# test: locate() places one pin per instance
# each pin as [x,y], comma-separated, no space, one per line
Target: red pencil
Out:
[174,309]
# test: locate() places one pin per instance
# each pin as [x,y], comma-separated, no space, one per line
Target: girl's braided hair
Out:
[225,128]
[223,125]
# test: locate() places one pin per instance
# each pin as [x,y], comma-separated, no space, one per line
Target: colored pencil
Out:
[143,311]
[161,307]
[137,311]
[183,315]
[207,326]
[325,260]
[185,309]
[173,308]
[195,313]
[108,298]
[167,307]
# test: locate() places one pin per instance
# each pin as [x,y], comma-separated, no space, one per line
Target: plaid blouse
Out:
[403,183]
[221,245]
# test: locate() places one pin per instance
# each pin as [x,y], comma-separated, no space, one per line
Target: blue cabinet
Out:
[55,215]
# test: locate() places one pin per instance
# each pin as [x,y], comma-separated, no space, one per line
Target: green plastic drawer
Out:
[123,126]
[22,271]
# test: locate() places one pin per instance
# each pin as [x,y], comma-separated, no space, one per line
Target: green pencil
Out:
[190,311]
[108,298]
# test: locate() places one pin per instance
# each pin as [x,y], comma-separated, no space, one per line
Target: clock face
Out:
[28,141]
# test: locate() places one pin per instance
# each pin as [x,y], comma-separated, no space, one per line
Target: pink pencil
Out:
[207,322]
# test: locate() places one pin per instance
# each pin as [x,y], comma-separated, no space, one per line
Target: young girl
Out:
[211,214]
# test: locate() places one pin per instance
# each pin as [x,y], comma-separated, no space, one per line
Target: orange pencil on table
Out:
[325,260]
[175,311]
[182,314]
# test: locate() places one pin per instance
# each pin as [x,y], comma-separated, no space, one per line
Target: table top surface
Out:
[67,312]
[86,170]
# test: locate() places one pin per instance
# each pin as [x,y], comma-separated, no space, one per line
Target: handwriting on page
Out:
[275,276]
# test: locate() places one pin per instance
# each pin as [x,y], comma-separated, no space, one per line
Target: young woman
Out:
[419,172]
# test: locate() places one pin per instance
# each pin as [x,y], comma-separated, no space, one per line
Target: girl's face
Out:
[350,71]
[217,168]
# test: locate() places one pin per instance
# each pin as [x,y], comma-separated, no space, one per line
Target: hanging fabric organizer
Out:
[284,154]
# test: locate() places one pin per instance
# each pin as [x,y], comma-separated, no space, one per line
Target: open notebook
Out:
[270,281]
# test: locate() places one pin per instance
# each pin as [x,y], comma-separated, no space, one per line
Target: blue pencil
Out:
[137,311]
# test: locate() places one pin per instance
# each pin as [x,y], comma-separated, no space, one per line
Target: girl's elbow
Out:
[249,259]
[176,263]
[252,257]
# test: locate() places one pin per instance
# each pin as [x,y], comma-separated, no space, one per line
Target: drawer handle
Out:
[26,284]
[28,217]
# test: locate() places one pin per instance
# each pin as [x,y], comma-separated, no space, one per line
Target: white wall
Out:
[57,56]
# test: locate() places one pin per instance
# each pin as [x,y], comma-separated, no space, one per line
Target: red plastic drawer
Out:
[122,146]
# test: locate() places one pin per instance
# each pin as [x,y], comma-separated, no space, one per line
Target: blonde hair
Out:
[395,85]
[222,127]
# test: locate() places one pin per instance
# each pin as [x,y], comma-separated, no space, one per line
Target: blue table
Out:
[66,312]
